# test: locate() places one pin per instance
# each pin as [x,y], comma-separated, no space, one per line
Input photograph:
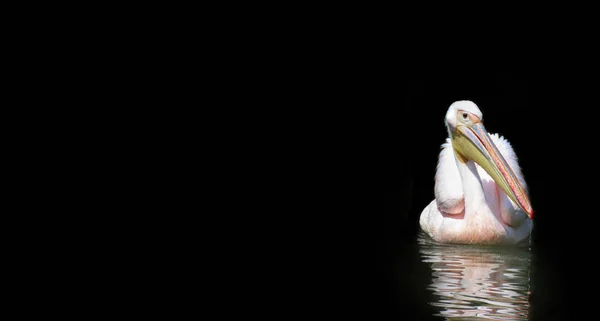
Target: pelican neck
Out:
[471,184]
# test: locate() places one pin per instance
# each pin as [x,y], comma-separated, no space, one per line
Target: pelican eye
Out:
[465,116]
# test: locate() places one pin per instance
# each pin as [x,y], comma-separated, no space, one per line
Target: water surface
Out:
[474,282]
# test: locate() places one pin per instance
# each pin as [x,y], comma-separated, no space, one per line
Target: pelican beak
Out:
[474,143]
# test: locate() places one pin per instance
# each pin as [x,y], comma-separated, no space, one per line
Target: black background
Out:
[549,117]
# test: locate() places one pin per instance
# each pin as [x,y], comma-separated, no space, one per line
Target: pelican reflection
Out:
[470,281]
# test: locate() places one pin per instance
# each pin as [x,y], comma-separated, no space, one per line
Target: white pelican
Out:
[480,194]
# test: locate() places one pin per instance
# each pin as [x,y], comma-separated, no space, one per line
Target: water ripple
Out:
[478,282]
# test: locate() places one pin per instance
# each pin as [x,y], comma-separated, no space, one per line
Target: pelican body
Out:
[480,194]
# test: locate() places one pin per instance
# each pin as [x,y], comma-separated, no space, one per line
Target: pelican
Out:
[480,194]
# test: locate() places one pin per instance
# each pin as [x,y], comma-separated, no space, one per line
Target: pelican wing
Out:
[498,201]
[510,156]
[448,190]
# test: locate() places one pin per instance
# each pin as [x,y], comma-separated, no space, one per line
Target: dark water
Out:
[474,282]
[553,276]
[431,281]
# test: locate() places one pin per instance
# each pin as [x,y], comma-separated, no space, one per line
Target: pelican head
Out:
[471,142]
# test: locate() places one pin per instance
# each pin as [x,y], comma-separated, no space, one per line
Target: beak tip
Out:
[531,214]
